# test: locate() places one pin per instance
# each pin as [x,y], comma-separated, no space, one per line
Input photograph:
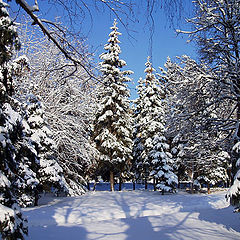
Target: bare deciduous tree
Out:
[68,96]
[216,31]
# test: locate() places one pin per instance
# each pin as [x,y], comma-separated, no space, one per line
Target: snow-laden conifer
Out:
[177,145]
[112,126]
[162,166]
[137,167]
[12,224]
[49,173]
[149,118]
[234,192]
[212,169]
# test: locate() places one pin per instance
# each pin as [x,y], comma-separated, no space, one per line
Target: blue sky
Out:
[134,50]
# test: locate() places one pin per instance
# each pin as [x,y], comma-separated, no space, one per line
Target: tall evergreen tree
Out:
[12,224]
[137,167]
[149,119]
[112,126]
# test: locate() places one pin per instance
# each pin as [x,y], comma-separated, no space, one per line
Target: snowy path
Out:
[135,215]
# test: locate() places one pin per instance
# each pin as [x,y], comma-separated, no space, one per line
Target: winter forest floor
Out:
[134,215]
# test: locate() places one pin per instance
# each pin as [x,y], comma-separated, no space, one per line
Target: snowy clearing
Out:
[131,215]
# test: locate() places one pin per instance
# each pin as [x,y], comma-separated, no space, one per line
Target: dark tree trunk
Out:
[36,198]
[146,184]
[120,184]
[191,187]
[94,185]
[208,188]
[134,185]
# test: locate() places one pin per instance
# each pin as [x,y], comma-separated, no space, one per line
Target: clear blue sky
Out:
[134,51]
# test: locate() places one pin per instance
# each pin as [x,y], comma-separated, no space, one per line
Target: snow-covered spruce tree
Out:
[137,167]
[162,172]
[26,185]
[49,173]
[234,191]
[112,130]
[177,145]
[149,119]
[12,224]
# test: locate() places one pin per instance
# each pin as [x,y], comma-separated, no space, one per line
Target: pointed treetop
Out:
[114,34]
[114,27]
[149,71]
[113,50]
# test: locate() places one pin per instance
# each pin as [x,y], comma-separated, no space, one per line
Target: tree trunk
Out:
[208,188]
[191,187]
[146,184]
[192,180]
[94,185]
[120,184]
[111,181]
[134,185]
[36,196]
[88,186]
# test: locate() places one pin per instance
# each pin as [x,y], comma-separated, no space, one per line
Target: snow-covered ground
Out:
[134,215]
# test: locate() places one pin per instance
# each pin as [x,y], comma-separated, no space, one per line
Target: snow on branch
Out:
[37,21]
[34,8]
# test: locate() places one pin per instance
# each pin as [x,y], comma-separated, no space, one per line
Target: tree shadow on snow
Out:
[140,226]
[166,226]
[43,223]
[207,212]
[189,217]
[54,232]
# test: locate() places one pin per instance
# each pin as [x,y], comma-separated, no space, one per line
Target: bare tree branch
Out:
[29,10]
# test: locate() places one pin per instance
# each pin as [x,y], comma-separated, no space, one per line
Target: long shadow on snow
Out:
[222,216]
[44,225]
[55,232]
[140,226]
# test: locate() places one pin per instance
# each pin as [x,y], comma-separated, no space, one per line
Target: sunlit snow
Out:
[134,215]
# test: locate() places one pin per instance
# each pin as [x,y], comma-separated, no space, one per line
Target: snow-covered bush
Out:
[49,173]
